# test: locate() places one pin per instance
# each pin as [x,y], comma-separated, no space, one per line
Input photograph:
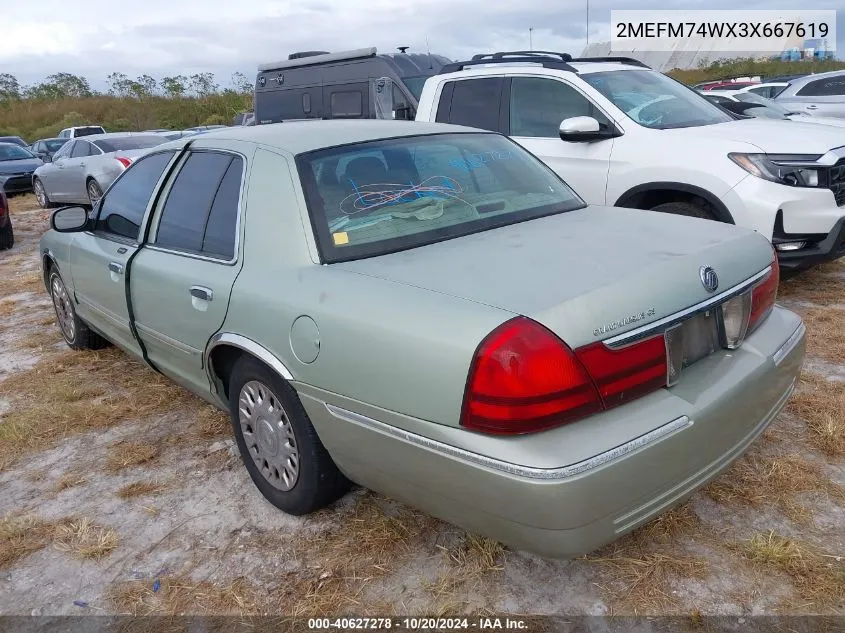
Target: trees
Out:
[60,86]
[9,87]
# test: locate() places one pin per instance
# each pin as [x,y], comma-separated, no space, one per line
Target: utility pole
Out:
[530,38]
[588,22]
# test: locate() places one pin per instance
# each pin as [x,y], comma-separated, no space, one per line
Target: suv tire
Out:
[7,236]
[686,208]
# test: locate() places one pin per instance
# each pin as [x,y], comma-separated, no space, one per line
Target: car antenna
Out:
[428,48]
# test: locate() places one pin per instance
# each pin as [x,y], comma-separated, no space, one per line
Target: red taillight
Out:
[763,296]
[524,378]
[124,161]
[626,373]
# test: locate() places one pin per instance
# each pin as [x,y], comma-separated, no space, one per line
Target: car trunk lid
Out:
[587,275]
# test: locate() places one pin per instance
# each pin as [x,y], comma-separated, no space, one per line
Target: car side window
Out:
[81,149]
[474,102]
[827,87]
[122,208]
[200,212]
[539,105]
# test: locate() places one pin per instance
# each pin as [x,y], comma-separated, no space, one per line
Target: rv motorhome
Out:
[357,84]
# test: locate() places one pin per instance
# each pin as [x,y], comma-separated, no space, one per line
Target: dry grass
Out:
[755,480]
[821,404]
[139,489]
[84,539]
[69,392]
[70,480]
[638,580]
[823,286]
[42,338]
[125,454]
[181,595]
[210,424]
[16,282]
[7,307]
[22,535]
[637,572]
[819,578]
[825,333]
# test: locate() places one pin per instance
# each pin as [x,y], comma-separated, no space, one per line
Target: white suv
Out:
[81,130]
[622,134]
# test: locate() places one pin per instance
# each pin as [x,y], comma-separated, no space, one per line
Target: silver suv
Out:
[822,94]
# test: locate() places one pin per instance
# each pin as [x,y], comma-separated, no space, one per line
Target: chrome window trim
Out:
[528,472]
[790,344]
[666,322]
[157,211]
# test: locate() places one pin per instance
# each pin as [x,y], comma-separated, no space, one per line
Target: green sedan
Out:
[430,312]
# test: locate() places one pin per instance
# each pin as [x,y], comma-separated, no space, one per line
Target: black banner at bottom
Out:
[527,624]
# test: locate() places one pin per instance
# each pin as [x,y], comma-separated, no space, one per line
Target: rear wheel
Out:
[75,331]
[689,209]
[41,194]
[7,236]
[94,191]
[278,444]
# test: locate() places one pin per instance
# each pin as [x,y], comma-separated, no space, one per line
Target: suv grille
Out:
[836,181]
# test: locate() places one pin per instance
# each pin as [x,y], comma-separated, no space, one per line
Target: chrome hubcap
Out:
[39,193]
[94,193]
[268,435]
[64,309]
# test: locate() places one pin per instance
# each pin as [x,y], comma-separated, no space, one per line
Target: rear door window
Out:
[474,102]
[200,212]
[827,87]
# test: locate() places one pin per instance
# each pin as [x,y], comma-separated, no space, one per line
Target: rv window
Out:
[306,103]
[347,104]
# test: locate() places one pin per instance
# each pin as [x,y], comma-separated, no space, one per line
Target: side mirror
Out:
[584,129]
[69,220]
[403,113]
[46,158]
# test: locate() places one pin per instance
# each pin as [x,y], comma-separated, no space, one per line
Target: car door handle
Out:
[201,292]
[116,268]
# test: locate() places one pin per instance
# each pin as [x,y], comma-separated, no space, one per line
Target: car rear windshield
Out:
[129,142]
[661,103]
[88,131]
[55,143]
[378,197]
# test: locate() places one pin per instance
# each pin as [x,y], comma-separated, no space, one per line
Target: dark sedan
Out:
[15,140]
[16,166]
[46,147]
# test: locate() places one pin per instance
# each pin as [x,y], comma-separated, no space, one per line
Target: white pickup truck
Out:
[622,134]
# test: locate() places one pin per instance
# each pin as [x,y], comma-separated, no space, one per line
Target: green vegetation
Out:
[63,100]
[749,67]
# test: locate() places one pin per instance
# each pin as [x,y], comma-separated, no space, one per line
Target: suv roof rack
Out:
[619,60]
[548,59]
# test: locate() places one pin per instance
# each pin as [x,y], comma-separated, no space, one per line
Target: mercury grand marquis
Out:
[430,312]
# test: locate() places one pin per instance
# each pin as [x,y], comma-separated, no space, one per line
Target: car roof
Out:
[808,78]
[297,137]
[107,135]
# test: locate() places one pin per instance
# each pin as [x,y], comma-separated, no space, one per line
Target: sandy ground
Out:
[120,493]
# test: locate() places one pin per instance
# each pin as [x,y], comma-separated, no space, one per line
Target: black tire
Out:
[686,208]
[7,236]
[74,330]
[94,191]
[41,194]
[318,482]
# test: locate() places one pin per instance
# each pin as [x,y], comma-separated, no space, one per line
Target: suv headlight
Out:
[795,170]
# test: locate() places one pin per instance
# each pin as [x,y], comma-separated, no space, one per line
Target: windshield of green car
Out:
[661,102]
[378,197]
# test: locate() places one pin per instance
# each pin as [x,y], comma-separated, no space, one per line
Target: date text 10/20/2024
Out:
[418,624]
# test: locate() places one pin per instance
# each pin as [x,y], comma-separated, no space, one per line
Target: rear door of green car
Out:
[182,278]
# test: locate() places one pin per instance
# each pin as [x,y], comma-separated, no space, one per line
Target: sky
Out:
[94,38]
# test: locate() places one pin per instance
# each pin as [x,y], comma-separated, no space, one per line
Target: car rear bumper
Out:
[705,422]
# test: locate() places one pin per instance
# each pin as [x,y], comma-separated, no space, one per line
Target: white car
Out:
[769,90]
[625,135]
[81,130]
[750,104]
